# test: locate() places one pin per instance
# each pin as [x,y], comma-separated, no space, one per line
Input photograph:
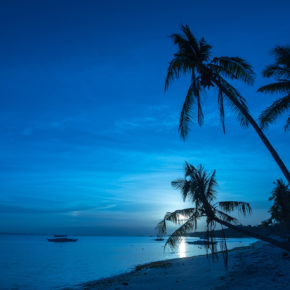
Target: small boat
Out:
[204,243]
[159,239]
[60,236]
[62,240]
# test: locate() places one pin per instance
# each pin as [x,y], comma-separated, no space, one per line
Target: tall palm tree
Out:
[199,188]
[280,70]
[193,57]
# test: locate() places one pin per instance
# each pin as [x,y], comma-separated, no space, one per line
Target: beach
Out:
[259,266]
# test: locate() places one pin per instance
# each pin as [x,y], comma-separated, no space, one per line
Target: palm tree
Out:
[199,188]
[280,210]
[193,57]
[280,70]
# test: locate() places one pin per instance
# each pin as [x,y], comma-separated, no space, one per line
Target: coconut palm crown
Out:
[280,70]
[193,57]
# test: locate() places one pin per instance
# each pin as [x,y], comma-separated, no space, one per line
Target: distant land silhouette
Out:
[229,233]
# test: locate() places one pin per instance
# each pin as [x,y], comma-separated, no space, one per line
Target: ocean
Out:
[31,262]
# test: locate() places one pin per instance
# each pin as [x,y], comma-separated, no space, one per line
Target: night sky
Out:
[89,140]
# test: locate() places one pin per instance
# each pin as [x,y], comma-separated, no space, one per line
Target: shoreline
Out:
[160,263]
[245,263]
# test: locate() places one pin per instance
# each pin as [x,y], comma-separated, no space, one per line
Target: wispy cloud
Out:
[157,120]
[72,210]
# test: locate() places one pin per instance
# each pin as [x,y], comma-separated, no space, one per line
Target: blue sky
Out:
[89,141]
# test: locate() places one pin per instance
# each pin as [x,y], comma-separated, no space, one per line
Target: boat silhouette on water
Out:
[159,239]
[202,243]
[61,239]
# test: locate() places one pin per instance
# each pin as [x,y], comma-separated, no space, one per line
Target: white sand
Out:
[257,267]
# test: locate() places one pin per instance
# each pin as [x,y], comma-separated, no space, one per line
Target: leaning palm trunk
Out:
[210,213]
[259,132]
[284,246]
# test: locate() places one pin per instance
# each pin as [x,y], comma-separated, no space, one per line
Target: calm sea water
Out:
[31,262]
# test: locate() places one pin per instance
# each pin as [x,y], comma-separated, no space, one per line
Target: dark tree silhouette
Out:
[199,188]
[193,57]
[280,70]
[280,210]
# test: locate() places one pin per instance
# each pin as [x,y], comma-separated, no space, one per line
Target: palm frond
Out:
[180,41]
[210,237]
[279,87]
[189,170]
[282,55]
[176,217]
[221,109]
[281,71]
[211,184]
[179,64]
[229,90]
[273,111]
[226,217]
[234,68]
[204,50]
[189,225]
[182,185]
[230,206]
[201,184]
[193,94]
[192,41]
[200,116]
[224,248]
[161,228]
[187,44]
[186,112]
[276,71]
[287,125]
[281,188]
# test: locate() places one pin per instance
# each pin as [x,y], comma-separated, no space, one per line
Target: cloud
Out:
[73,210]
[163,123]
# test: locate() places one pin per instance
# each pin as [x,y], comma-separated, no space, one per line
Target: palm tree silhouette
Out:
[199,188]
[280,70]
[193,57]
[280,210]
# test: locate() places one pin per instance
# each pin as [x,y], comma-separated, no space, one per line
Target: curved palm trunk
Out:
[284,246]
[210,214]
[260,133]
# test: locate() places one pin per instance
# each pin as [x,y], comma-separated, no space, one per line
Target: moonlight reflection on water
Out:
[182,248]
